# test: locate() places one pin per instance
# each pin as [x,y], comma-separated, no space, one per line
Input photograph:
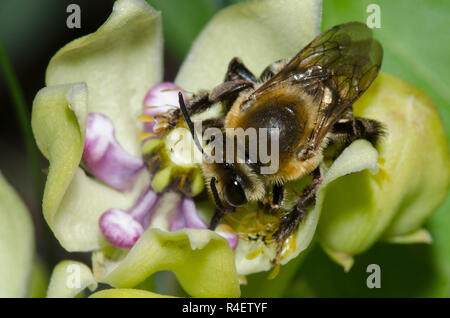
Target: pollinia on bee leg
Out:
[291,220]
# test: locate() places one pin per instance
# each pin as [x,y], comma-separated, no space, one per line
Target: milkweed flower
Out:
[16,243]
[120,190]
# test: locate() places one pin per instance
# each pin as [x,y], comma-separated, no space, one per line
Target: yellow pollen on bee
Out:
[152,107]
[146,118]
[225,228]
[144,135]
[175,90]
[275,272]
[289,246]
[182,182]
[327,96]
[382,174]
[254,254]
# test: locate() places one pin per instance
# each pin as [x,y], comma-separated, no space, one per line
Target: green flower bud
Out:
[16,243]
[412,179]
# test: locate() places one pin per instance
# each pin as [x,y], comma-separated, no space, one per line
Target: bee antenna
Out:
[188,120]
[218,211]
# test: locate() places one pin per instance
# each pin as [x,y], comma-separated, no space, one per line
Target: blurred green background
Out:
[416,42]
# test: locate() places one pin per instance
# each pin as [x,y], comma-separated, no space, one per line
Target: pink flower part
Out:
[186,217]
[230,236]
[142,211]
[123,228]
[164,96]
[105,158]
[120,228]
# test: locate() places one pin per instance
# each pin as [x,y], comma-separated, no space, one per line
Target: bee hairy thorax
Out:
[289,110]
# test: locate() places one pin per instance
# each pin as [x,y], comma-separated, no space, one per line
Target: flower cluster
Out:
[120,189]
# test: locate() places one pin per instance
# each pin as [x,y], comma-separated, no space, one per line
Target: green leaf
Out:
[23,118]
[405,271]
[183,21]
[16,243]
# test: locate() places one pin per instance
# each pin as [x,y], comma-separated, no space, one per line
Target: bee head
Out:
[232,185]
[234,193]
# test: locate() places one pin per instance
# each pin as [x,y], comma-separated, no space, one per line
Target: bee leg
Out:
[290,221]
[238,71]
[229,90]
[198,103]
[238,77]
[272,69]
[277,196]
[215,122]
[350,129]
[220,211]
[217,216]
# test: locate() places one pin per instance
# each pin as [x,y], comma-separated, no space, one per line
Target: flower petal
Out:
[16,243]
[228,234]
[119,63]
[201,260]
[126,293]
[69,278]
[187,217]
[258,32]
[413,178]
[40,277]
[105,158]
[72,202]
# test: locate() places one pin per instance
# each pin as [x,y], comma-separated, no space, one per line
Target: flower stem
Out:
[23,118]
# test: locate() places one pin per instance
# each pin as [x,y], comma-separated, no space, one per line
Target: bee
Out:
[308,99]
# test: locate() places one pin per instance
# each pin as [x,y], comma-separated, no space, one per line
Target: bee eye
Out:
[234,194]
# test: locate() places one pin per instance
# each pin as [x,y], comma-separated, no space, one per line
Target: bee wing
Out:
[343,60]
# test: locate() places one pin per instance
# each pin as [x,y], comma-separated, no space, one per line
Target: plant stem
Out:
[23,118]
